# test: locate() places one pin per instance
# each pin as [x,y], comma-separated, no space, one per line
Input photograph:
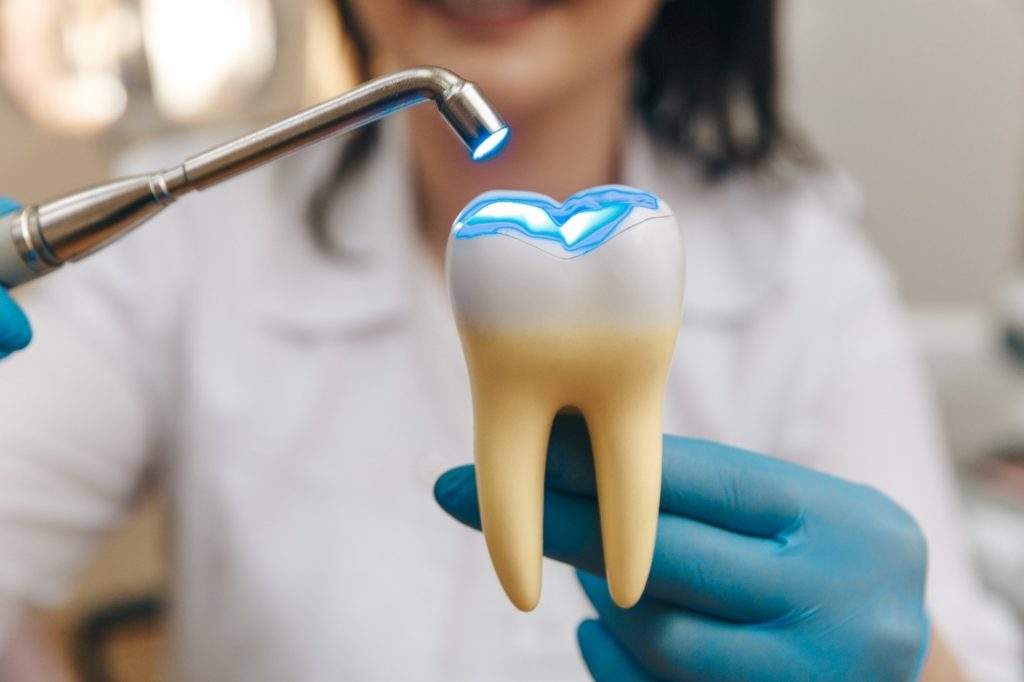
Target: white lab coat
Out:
[300,408]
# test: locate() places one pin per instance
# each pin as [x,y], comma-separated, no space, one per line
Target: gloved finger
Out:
[606,660]
[8,205]
[699,567]
[15,331]
[717,484]
[673,644]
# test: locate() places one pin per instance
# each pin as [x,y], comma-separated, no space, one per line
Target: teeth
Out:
[573,306]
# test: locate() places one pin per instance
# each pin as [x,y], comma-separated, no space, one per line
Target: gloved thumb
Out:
[606,660]
[15,332]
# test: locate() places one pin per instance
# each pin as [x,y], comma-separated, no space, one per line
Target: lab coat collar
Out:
[372,223]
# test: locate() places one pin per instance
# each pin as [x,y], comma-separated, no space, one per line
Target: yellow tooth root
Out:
[519,381]
[626,441]
[512,430]
[512,414]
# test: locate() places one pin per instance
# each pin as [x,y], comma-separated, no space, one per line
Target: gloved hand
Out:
[15,332]
[763,570]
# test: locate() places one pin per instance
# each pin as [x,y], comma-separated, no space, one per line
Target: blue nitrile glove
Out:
[15,332]
[763,570]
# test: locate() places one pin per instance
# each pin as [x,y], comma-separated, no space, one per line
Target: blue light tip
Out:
[491,145]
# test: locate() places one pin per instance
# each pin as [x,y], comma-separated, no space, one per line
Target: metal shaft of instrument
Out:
[43,237]
[370,102]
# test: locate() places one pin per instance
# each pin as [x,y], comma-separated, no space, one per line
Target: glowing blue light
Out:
[584,222]
[491,144]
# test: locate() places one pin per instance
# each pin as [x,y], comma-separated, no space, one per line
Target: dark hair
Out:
[707,82]
[706,85]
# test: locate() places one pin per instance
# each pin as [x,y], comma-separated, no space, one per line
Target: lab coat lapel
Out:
[363,283]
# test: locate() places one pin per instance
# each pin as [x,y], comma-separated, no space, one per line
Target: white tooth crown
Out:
[567,306]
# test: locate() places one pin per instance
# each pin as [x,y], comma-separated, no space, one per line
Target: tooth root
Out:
[519,382]
[627,461]
[512,425]
[624,417]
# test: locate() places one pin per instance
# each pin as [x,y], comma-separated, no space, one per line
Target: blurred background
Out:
[922,101]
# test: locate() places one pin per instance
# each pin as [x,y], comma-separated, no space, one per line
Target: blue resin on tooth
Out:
[584,222]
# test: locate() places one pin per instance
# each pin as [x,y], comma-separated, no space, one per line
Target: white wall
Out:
[923,101]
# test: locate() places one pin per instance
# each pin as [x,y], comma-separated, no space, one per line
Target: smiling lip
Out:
[489,14]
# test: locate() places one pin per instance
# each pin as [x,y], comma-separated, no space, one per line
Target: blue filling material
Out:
[584,222]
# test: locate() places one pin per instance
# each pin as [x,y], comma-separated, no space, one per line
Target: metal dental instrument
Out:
[38,239]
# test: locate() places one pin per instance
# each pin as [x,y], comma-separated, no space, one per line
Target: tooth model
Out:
[572,306]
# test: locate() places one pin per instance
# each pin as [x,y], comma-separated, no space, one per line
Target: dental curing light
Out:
[491,145]
[38,239]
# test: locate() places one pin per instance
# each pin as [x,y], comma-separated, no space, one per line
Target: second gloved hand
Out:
[763,570]
[15,332]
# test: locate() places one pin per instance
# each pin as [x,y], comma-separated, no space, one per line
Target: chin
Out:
[527,55]
[515,80]
[516,91]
